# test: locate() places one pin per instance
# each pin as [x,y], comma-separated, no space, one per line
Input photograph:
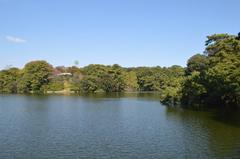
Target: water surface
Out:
[130,126]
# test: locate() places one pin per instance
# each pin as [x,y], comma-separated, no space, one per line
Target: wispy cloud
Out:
[14,39]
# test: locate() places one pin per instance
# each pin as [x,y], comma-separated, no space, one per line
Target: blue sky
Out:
[127,32]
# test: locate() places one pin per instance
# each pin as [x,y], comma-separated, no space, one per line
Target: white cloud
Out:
[13,39]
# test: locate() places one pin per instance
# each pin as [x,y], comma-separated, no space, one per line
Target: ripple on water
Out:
[82,127]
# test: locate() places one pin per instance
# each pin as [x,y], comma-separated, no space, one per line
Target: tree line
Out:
[211,78]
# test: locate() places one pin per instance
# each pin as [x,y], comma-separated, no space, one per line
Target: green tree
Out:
[215,79]
[145,78]
[112,80]
[223,75]
[171,84]
[35,77]
[198,63]
[8,80]
[130,79]
[194,91]
[55,84]
[88,84]
[106,78]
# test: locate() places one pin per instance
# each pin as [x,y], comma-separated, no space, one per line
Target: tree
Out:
[112,80]
[171,82]
[214,79]
[223,75]
[8,80]
[107,78]
[130,79]
[35,76]
[145,78]
[88,84]
[56,84]
[194,91]
[197,62]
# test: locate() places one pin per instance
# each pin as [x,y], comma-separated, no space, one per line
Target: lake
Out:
[115,126]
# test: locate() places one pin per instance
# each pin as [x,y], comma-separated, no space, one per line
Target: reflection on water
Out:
[110,126]
[223,137]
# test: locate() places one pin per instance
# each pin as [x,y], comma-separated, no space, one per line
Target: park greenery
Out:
[211,79]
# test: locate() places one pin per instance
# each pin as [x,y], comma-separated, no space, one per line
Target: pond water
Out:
[129,126]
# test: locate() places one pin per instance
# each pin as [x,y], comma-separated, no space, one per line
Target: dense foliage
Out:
[35,77]
[211,78]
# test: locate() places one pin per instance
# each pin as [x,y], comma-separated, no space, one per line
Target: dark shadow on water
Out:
[227,117]
[118,95]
